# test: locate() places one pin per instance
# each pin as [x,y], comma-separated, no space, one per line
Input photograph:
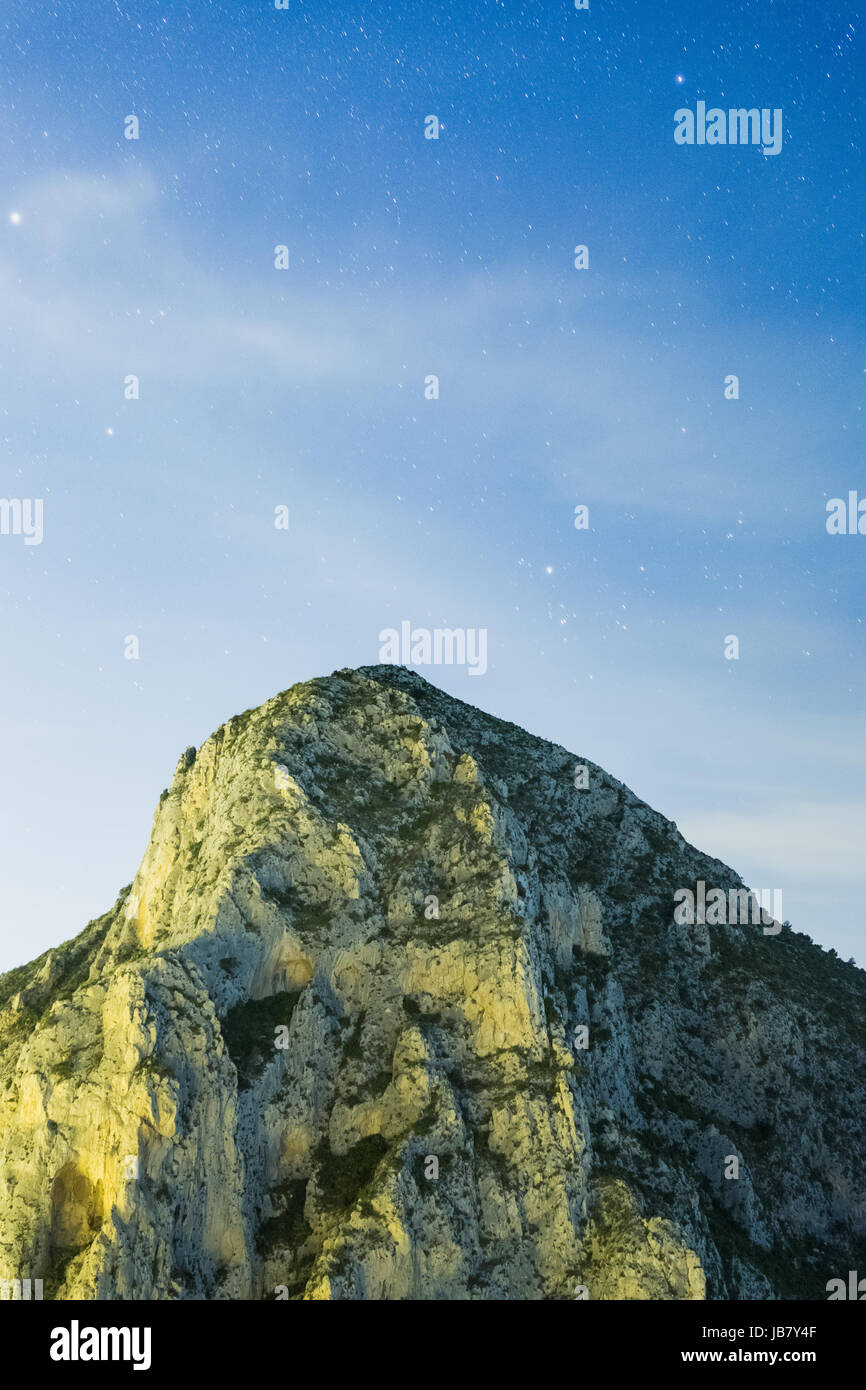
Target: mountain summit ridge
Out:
[394,1010]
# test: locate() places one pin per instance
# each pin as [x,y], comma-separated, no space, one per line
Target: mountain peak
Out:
[400,1005]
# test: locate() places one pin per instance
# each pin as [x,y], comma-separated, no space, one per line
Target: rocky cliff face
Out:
[393,1010]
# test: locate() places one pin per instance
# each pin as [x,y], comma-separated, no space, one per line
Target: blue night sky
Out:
[558,387]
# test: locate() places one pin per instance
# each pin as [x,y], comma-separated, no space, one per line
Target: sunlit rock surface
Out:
[327,1044]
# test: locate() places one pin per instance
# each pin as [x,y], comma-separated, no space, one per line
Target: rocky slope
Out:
[328,1043]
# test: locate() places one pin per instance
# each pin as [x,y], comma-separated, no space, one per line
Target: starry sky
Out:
[304,388]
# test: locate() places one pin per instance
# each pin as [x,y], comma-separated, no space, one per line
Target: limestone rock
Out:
[392,1010]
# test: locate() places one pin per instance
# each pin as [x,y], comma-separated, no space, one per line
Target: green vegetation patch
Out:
[289,1228]
[343,1177]
[248,1031]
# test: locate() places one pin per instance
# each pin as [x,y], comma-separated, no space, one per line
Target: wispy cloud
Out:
[67,208]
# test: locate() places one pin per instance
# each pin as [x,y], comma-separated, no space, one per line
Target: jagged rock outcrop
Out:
[329,1043]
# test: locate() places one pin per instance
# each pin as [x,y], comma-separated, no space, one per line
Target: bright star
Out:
[15,218]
